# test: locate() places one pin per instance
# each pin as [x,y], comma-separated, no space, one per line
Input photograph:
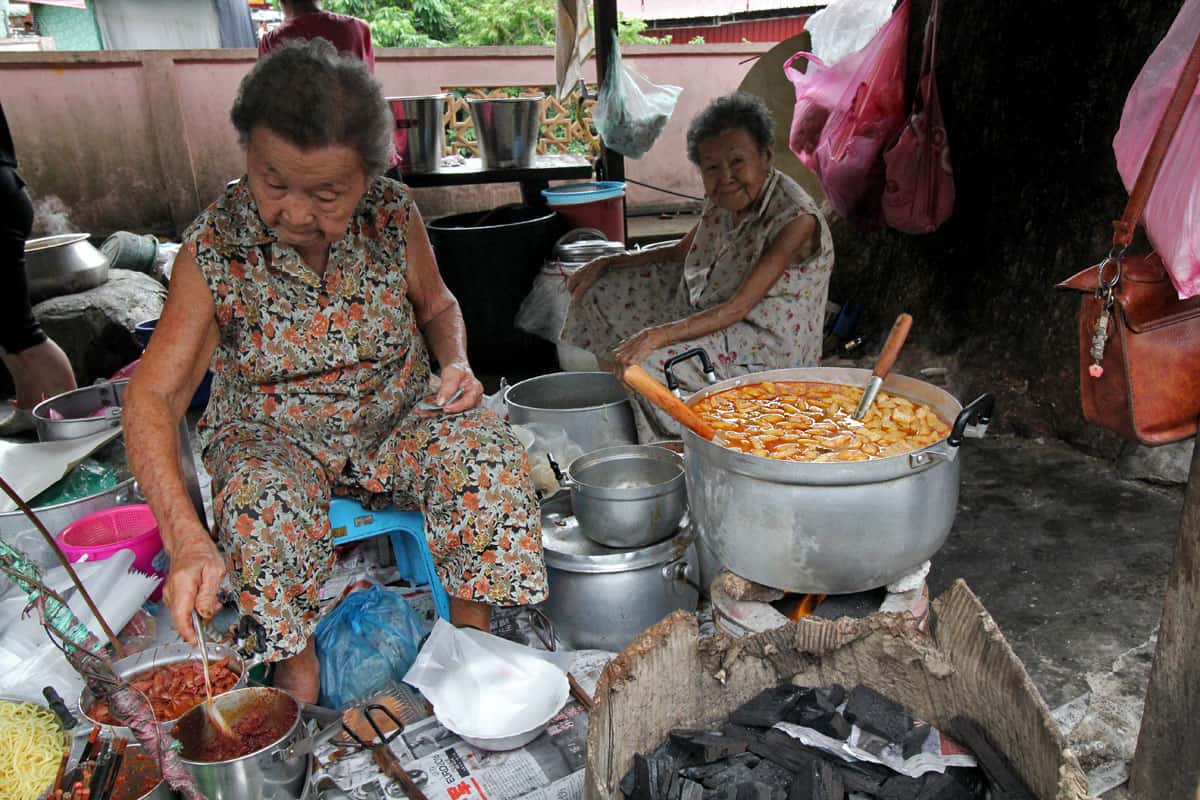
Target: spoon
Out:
[883,364]
[214,713]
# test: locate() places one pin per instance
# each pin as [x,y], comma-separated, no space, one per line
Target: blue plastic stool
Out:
[351,523]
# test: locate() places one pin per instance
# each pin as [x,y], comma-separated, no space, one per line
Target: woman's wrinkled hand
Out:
[636,348]
[582,279]
[455,376]
[197,568]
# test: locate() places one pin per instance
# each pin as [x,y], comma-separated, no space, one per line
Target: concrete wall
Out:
[141,140]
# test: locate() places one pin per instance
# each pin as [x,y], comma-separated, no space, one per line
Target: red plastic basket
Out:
[98,536]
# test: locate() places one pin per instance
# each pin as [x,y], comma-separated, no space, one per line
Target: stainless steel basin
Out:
[63,264]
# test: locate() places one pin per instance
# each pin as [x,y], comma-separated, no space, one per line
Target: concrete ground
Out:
[1071,561]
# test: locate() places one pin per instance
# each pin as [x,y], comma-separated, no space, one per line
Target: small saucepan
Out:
[627,496]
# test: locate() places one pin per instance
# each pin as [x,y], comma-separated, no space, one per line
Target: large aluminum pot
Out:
[591,407]
[829,528]
[604,598]
[420,134]
[276,772]
[161,656]
[63,264]
[506,129]
[628,496]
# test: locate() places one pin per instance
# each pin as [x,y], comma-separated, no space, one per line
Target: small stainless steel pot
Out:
[275,772]
[159,656]
[602,597]
[628,496]
[591,407]
[76,408]
[63,264]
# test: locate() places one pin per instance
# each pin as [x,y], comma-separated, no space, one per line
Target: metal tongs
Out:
[385,759]
[214,713]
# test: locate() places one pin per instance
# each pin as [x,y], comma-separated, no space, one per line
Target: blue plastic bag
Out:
[366,645]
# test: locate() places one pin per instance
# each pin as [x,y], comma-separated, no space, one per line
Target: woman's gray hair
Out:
[739,110]
[313,97]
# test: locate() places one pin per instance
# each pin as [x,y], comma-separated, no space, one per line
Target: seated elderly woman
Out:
[748,283]
[311,288]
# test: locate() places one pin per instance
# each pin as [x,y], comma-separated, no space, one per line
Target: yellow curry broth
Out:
[809,421]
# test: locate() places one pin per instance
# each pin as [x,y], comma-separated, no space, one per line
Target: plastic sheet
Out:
[485,687]
[844,26]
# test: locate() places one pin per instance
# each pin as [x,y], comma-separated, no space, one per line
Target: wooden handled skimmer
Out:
[640,381]
[883,364]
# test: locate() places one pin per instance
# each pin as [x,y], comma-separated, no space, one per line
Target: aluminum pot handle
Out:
[695,352]
[680,570]
[975,415]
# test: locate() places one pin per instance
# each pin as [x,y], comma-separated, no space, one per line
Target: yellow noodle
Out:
[31,747]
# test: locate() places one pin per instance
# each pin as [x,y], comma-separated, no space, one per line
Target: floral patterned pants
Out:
[466,472]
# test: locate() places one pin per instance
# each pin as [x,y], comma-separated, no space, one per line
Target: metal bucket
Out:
[274,772]
[506,129]
[828,528]
[591,407]
[420,133]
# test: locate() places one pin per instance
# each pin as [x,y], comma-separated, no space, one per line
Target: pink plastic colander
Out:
[100,535]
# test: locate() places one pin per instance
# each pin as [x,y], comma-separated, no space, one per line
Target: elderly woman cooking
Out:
[748,283]
[311,288]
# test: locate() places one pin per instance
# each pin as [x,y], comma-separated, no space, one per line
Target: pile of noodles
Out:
[31,748]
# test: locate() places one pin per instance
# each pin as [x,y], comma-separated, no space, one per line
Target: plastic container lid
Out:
[577,193]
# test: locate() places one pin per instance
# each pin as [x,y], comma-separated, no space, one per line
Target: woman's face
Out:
[733,168]
[306,196]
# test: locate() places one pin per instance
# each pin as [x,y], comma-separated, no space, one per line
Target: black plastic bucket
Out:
[489,259]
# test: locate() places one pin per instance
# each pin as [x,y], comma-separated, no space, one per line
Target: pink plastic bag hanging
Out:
[1173,209]
[918,195]
[847,113]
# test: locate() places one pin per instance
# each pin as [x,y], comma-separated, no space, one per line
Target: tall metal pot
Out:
[829,528]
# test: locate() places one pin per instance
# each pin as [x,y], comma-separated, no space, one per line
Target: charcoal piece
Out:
[681,756]
[706,746]
[778,778]
[830,697]
[820,781]
[871,711]
[861,776]
[629,780]
[745,733]
[830,723]
[785,751]
[689,790]
[901,787]
[768,706]
[753,790]
[643,787]
[729,771]
[992,761]
[726,791]
[914,740]
[956,783]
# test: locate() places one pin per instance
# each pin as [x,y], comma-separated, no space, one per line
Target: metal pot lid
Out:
[581,252]
[566,547]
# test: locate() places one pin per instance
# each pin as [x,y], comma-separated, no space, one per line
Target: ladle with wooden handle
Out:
[883,364]
[641,382]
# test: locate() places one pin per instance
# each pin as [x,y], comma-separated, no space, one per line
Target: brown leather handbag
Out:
[1139,344]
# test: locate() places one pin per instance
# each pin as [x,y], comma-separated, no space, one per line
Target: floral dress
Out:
[783,330]
[314,383]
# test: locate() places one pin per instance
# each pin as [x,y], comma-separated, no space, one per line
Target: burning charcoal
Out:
[727,772]
[993,762]
[956,783]
[689,790]
[768,707]
[914,740]
[785,751]
[819,782]
[871,711]
[707,746]
[753,790]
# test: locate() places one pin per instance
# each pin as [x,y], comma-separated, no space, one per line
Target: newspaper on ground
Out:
[938,752]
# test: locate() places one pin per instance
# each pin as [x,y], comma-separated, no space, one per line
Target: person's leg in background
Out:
[38,366]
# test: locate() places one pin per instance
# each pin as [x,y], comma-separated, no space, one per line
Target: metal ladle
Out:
[214,713]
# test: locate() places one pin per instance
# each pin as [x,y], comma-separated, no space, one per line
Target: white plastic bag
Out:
[631,110]
[845,26]
[544,309]
[1174,204]
[482,686]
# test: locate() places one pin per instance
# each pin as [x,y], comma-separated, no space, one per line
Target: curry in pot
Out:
[808,421]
